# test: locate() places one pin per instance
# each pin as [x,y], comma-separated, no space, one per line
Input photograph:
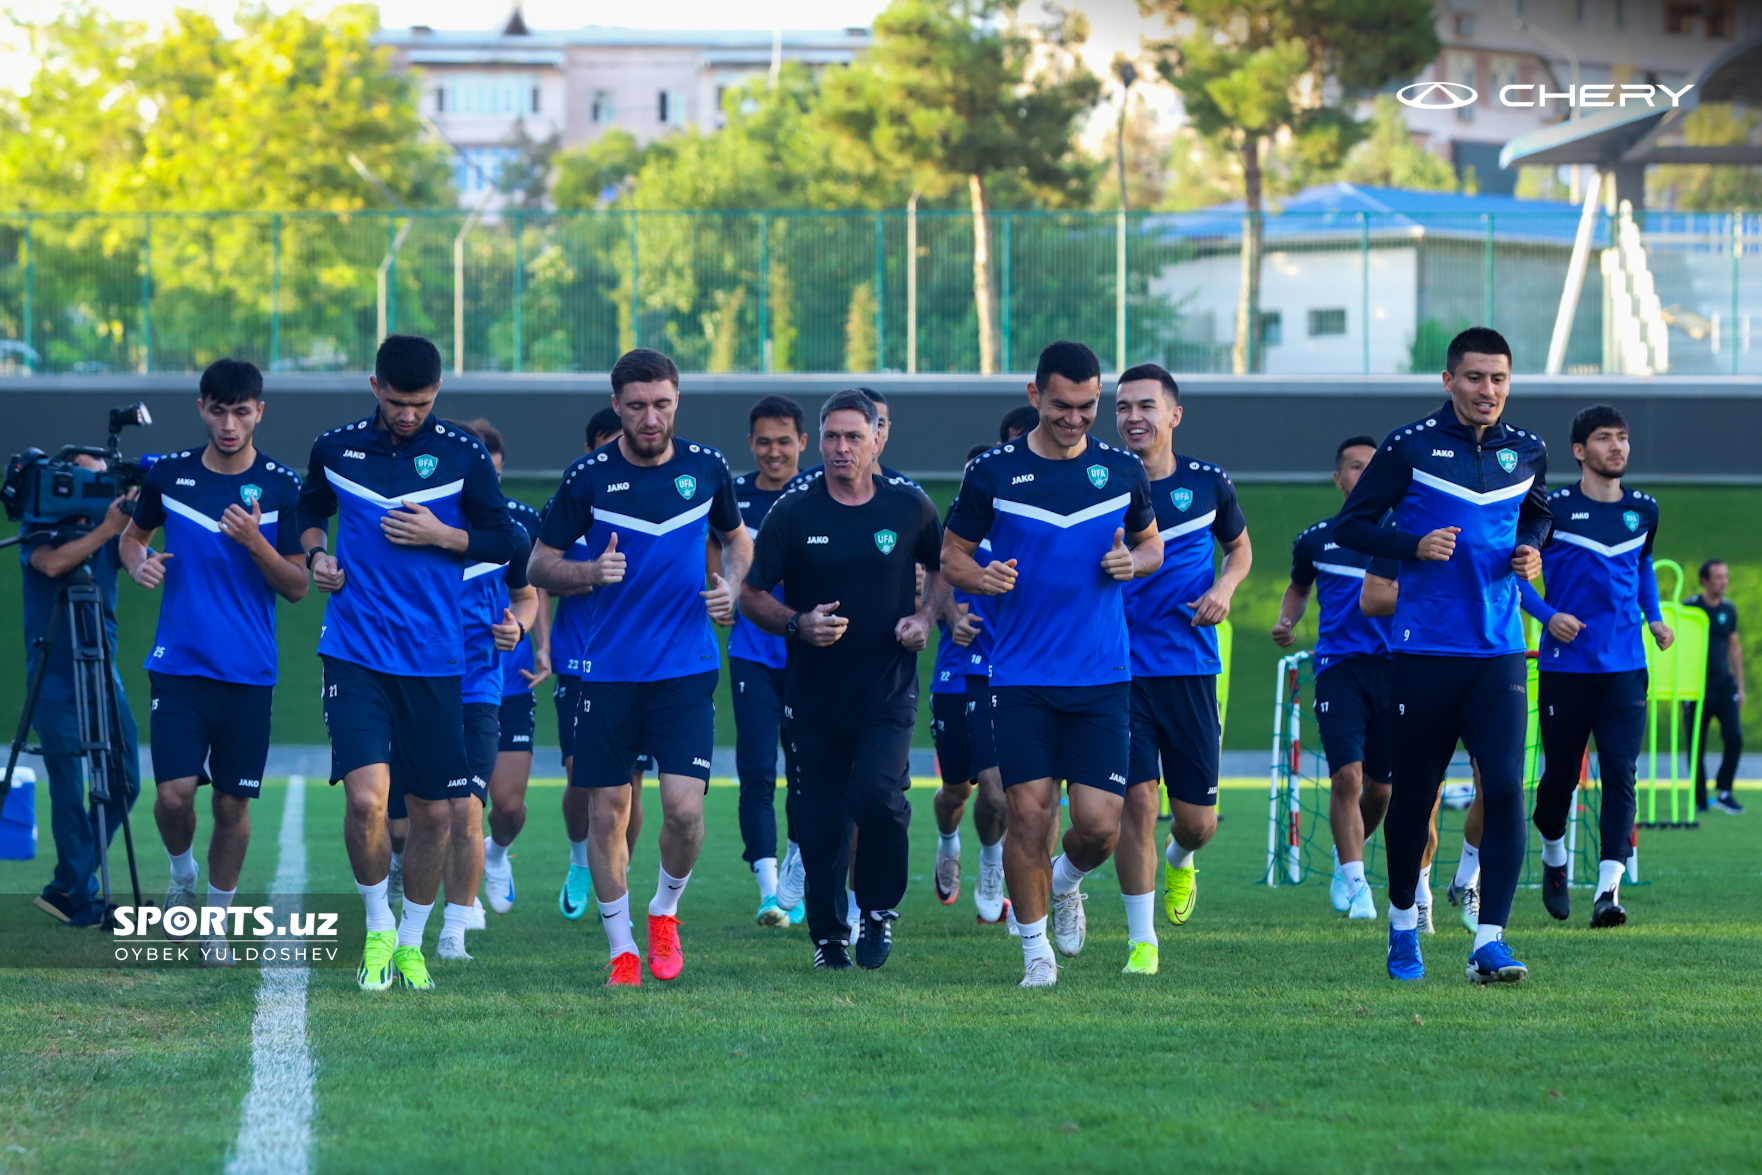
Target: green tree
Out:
[1256,70]
[1387,156]
[593,175]
[960,94]
[526,178]
[1704,187]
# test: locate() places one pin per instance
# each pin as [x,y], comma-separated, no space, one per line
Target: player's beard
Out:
[653,448]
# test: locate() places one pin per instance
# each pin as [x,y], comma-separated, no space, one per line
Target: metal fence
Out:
[1342,293]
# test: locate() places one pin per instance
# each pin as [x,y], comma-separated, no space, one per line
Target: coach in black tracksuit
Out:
[846,549]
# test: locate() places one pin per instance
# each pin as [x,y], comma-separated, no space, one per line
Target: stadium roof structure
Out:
[1330,210]
[1623,141]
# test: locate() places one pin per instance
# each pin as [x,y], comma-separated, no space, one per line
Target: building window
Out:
[1459,69]
[509,94]
[1680,17]
[1504,71]
[477,168]
[672,107]
[1272,328]
[1464,25]
[1719,18]
[1327,322]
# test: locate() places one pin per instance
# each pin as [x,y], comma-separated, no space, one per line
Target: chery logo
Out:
[1437,95]
[1451,95]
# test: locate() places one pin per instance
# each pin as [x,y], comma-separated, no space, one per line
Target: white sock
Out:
[379,911]
[1177,856]
[765,869]
[667,891]
[615,920]
[991,854]
[1066,877]
[453,919]
[183,865]
[1484,934]
[1034,941]
[494,854]
[397,862]
[415,921]
[1423,891]
[948,844]
[224,897]
[852,910]
[1407,919]
[1609,877]
[1554,852]
[1469,870]
[1353,872]
[1140,916]
[578,853]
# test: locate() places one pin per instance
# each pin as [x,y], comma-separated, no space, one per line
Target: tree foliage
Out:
[1387,156]
[1703,187]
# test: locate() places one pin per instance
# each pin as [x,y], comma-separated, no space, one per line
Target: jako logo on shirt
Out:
[1507,460]
[1632,520]
[250,494]
[886,540]
[1098,476]
[1183,498]
[686,485]
[425,467]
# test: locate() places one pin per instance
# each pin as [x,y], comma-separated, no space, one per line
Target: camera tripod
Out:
[79,608]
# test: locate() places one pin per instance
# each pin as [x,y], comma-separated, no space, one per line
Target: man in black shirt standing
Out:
[1724,697]
[846,548]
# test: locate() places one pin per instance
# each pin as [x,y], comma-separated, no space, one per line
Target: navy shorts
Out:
[564,695]
[981,736]
[1175,733]
[1356,718]
[216,731]
[948,727]
[518,720]
[1077,733]
[675,718]
[416,725]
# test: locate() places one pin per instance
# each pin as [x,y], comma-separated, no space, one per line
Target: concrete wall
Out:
[1268,428]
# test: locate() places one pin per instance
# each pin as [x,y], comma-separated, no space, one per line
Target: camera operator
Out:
[229,511]
[48,555]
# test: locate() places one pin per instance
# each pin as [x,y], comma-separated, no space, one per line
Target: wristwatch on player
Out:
[311,555]
[793,628]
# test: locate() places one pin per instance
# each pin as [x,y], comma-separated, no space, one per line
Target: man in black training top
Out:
[1724,698]
[846,548]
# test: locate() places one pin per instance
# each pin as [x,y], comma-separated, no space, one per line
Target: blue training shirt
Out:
[1599,569]
[483,600]
[569,624]
[748,641]
[1195,508]
[399,611]
[216,612]
[1064,622]
[1337,574]
[653,625]
[953,663]
[1432,474]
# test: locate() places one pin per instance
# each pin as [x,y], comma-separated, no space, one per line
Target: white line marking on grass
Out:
[275,1128]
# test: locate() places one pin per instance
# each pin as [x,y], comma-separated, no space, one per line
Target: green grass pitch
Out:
[1270,1042]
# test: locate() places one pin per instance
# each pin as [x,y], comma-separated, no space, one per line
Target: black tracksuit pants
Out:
[1571,707]
[1721,703]
[1482,701]
[848,777]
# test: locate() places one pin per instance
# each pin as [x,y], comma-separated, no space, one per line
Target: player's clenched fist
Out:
[719,600]
[1526,561]
[327,573]
[820,627]
[151,572]
[507,634]
[1118,560]
[1439,545]
[999,578]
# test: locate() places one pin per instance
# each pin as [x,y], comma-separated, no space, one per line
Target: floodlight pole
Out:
[1575,278]
[911,284]
[1127,73]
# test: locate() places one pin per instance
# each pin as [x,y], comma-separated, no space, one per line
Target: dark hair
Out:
[489,434]
[1020,420]
[1708,566]
[407,363]
[777,408]
[1352,443]
[1074,361]
[976,450]
[1155,371]
[874,396]
[231,381]
[642,366]
[852,400]
[606,420]
[1482,340]
[1593,418]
